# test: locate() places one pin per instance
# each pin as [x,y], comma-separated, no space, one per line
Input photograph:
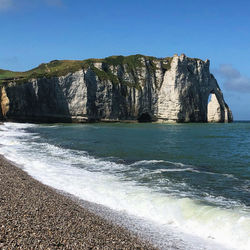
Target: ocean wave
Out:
[172,170]
[102,181]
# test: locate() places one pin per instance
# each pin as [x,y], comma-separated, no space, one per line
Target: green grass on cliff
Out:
[51,69]
[58,68]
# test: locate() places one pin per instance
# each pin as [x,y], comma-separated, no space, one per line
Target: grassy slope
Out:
[60,68]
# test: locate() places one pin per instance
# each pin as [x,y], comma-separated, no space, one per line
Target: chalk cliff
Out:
[133,88]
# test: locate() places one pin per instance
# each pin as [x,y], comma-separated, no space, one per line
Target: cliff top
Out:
[58,68]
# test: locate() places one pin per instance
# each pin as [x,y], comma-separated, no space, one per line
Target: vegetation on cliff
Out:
[58,68]
[130,64]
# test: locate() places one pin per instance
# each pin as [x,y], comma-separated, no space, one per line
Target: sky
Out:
[37,31]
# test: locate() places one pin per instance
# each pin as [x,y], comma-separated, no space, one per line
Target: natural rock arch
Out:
[139,88]
[184,92]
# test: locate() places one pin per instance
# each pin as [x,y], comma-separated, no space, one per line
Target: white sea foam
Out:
[172,170]
[146,162]
[96,180]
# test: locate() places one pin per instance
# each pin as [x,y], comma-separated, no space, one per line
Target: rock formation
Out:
[133,88]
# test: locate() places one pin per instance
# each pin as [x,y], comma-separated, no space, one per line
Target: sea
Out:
[180,186]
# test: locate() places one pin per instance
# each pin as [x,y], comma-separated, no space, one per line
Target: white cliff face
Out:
[163,90]
[75,89]
[169,94]
[183,96]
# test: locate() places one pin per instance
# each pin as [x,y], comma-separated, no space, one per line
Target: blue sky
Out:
[36,31]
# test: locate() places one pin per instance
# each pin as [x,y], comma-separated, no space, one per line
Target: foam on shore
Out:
[186,221]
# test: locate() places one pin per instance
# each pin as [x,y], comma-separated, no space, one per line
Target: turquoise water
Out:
[216,156]
[195,177]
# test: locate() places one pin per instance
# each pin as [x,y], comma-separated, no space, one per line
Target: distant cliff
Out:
[117,88]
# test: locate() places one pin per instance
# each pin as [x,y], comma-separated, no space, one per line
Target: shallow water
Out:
[189,179]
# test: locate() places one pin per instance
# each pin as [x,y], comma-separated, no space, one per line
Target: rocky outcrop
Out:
[165,90]
[4,102]
[213,110]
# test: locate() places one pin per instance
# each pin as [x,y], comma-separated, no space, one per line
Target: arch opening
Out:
[145,117]
[213,108]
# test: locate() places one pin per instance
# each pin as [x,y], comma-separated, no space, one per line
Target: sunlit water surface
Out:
[190,182]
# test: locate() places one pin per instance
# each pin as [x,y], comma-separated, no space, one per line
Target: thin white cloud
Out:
[5,4]
[234,80]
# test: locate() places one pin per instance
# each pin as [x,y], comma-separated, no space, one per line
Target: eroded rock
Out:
[167,90]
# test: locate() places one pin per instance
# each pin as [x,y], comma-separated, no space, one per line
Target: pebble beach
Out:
[35,216]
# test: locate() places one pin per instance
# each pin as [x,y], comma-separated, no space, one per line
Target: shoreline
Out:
[35,215]
[100,184]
